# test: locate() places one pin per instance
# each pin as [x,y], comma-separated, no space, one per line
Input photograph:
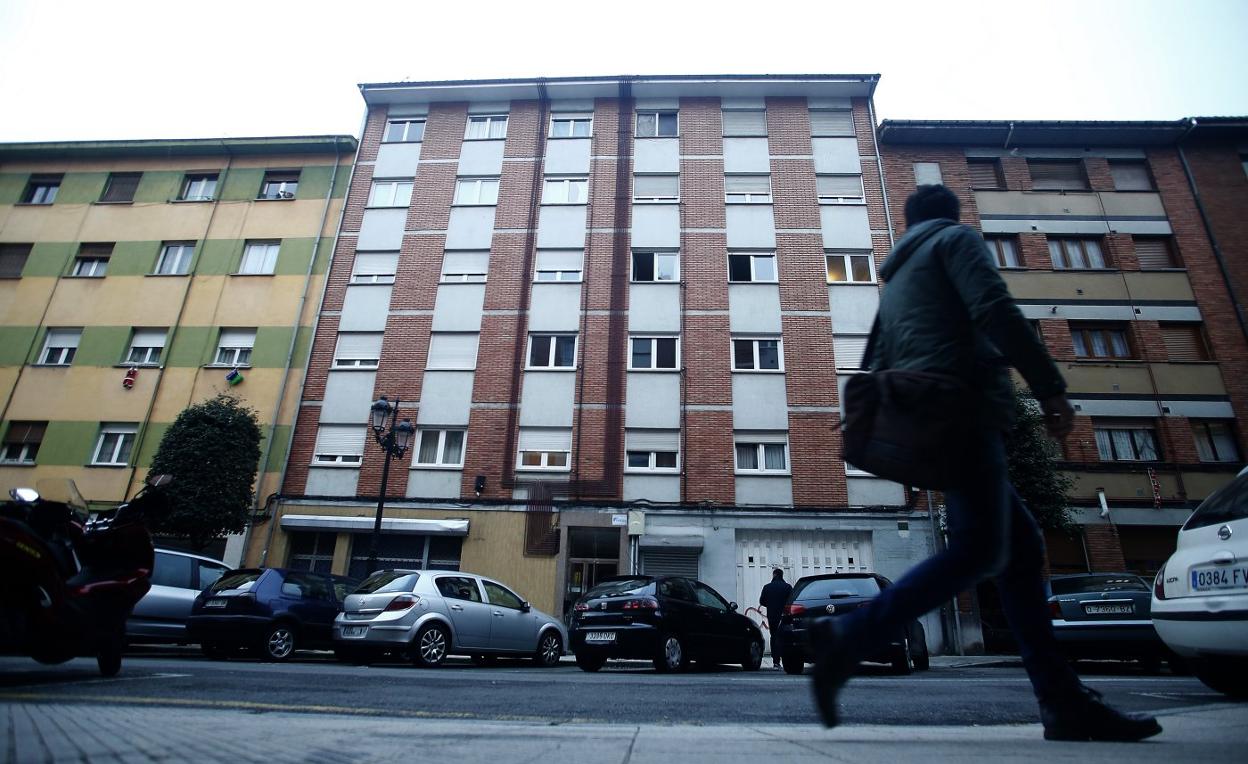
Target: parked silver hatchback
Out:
[432,614]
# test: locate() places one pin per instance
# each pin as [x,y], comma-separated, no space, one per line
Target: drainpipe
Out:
[879,164]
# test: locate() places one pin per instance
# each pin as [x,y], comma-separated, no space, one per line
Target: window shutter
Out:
[545,439]
[559,259]
[26,432]
[747,184]
[339,440]
[927,174]
[848,350]
[359,345]
[670,562]
[753,122]
[465,262]
[1184,343]
[376,263]
[985,174]
[839,185]
[452,351]
[656,186]
[840,122]
[13,260]
[237,338]
[1057,175]
[1130,176]
[1153,253]
[148,338]
[64,338]
[652,440]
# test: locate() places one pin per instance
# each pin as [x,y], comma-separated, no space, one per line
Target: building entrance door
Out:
[593,554]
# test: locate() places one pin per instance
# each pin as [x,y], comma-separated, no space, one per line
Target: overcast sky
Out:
[73,70]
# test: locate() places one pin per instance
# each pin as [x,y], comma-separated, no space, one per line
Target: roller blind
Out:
[848,350]
[650,186]
[985,173]
[376,263]
[359,345]
[670,562]
[753,122]
[1057,175]
[341,440]
[26,432]
[1153,253]
[545,439]
[465,262]
[237,338]
[839,185]
[452,351]
[747,184]
[559,259]
[827,122]
[652,440]
[64,338]
[1184,343]
[148,338]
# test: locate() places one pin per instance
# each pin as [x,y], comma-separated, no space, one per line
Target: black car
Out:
[835,594]
[1106,615]
[666,619]
[270,610]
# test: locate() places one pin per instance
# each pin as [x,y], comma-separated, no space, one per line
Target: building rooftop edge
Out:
[284,144]
[1040,132]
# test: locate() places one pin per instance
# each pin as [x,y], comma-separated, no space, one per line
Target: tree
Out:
[212,451]
[1033,457]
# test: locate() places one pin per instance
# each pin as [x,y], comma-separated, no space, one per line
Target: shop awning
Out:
[365,524]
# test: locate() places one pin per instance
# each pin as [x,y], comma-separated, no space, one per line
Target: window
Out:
[751,266]
[259,257]
[440,448]
[838,188]
[985,174]
[656,188]
[175,258]
[656,124]
[1185,342]
[405,131]
[198,187]
[357,350]
[1057,175]
[1076,254]
[121,187]
[1131,175]
[501,596]
[234,347]
[452,351]
[310,551]
[390,193]
[558,265]
[831,122]
[1125,441]
[745,122]
[339,445]
[374,267]
[848,350]
[13,260]
[653,353]
[552,351]
[21,442]
[279,184]
[1215,441]
[656,266]
[468,265]
[487,126]
[1004,251]
[571,125]
[747,189]
[115,443]
[756,355]
[41,189]
[927,174]
[652,450]
[92,260]
[854,267]
[565,191]
[146,345]
[458,588]
[762,457]
[476,191]
[545,448]
[1100,341]
[1154,252]
[59,346]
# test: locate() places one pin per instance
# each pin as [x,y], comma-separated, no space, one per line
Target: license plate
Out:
[215,603]
[1221,577]
[1108,609]
[354,631]
[600,636]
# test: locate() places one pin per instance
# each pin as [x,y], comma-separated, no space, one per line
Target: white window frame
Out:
[755,256]
[654,353]
[195,184]
[440,458]
[562,189]
[59,348]
[747,197]
[548,275]
[652,462]
[355,362]
[259,257]
[329,459]
[655,254]
[90,266]
[407,123]
[551,352]
[1113,335]
[754,343]
[150,353]
[847,260]
[279,187]
[482,192]
[24,451]
[390,192]
[464,276]
[657,114]
[1004,249]
[490,121]
[572,120]
[109,450]
[373,278]
[1083,241]
[182,252]
[656,198]
[233,355]
[1111,427]
[760,454]
[854,198]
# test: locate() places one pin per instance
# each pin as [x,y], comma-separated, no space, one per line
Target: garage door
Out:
[670,562]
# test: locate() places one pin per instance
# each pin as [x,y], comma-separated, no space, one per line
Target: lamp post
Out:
[393,442]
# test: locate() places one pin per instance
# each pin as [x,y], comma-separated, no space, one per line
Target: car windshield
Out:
[388,581]
[834,588]
[1226,504]
[1086,584]
[239,580]
[620,587]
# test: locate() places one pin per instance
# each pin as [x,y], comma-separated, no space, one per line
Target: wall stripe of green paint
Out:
[49,258]
[214,257]
[294,256]
[12,184]
[240,184]
[218,257]
[314,181]
[326,250]
[272,346]
[237,184]
[68,443]
[158,186]
[152,435]
[192,346]
[81,187]
[16,344]
[133,258]
[277,451]
[102,345]
[303,343]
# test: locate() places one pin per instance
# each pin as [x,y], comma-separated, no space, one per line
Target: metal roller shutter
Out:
[670,562]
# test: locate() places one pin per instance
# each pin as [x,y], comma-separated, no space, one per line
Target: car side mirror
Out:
[732,606]
[525,607]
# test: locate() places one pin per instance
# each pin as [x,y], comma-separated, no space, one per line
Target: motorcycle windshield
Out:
[64,491]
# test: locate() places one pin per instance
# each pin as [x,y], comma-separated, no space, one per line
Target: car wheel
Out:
[1228,677]
[431,645]
[903,661]
[672,655]
[753,655]
[549,649]
[215,651]
[794,662]
[590,661]
[278,643]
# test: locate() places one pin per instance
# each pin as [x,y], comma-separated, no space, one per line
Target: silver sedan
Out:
[431,614]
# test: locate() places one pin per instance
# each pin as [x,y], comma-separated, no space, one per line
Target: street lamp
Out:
[393,442]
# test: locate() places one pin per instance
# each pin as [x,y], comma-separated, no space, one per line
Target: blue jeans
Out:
[991,535]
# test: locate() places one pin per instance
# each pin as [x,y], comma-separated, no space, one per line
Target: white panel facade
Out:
[562,225]
[555,308]
[458,308]
[874,492]
[853,307]
[332,481]
[445,398]
[836,155]
[652,400]
[546,400]
[365,308]
[481,158]
[567,156]
[845,226]
[652,487]
[746,155]
[654,307]
[656,155]
[397,160]
[759,402]
[754,308]
[434,484]
[772,491]
[382,228]
[348,396]
[751,225]
[656,225]
[470,228]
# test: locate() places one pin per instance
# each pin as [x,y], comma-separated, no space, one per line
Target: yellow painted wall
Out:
[22,300]
[243,301]
[116,301]
[94,483]
[1066,285]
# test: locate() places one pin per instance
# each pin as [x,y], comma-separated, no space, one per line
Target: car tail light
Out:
[645,603]
[795,610]
[581,607]
[402,602]
[1159,583]
[1055,611]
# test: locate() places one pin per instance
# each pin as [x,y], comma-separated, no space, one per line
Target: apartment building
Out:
[138,277]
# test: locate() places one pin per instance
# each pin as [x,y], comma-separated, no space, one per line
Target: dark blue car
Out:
[270,610]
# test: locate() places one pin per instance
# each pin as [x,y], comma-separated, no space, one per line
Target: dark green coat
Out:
[945,308]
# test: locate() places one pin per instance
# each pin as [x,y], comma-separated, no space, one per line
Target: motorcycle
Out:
[72,577]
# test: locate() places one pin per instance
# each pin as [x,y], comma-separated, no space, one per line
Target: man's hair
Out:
[931,202]
[777,573]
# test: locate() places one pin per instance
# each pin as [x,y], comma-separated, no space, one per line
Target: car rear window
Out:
[1228,503]
[1086,584]
[620,587]
[241,580]
[832,588]
[388,581]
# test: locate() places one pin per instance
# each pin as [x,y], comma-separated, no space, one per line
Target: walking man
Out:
[945,309]
[774,597]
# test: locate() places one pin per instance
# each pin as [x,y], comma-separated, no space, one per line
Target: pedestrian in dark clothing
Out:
[774,597]
[946,309]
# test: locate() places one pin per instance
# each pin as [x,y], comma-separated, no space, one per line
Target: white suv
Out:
[1200,596]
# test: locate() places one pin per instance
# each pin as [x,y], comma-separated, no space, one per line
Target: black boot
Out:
[1086,716]
[834,665]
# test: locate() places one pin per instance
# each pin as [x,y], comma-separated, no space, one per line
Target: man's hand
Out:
[1059,416]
